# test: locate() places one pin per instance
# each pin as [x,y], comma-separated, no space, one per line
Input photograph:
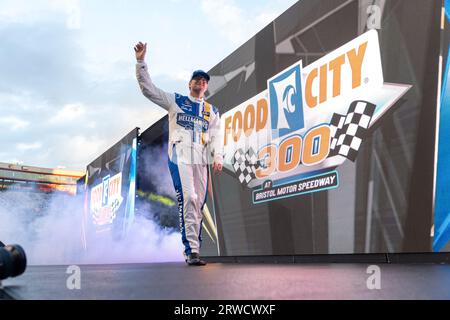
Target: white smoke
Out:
[49,228]
[145,242]
[52,230]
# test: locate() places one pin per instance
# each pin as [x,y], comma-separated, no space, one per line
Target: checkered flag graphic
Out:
[348,131]
[245,165]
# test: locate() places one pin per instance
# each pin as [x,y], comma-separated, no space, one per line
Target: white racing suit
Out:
[194,135]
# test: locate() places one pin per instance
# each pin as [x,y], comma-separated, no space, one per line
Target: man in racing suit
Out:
[194,135]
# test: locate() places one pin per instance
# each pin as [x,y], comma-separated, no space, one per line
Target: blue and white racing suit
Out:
[194,136]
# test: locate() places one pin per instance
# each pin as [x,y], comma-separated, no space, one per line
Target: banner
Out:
[309,121]
[111,189]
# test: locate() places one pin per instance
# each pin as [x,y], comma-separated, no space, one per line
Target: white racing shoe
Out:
[194,260]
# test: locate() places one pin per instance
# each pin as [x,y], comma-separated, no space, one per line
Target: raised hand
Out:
[140,49]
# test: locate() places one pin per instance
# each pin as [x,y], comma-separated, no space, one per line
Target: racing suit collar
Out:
[196,99]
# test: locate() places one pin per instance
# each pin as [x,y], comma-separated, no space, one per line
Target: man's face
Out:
[198,85]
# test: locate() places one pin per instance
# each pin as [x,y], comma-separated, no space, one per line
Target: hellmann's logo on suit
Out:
[192,122]
[289,139]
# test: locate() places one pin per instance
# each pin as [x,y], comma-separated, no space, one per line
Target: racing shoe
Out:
[194,260]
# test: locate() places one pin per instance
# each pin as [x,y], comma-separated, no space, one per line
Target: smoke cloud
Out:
[49,228]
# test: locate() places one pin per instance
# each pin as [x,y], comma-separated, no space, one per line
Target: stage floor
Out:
[228,281]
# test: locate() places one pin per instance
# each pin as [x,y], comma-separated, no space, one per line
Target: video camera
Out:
[13,260]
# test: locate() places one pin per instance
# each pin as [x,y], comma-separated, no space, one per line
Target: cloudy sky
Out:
[67,83]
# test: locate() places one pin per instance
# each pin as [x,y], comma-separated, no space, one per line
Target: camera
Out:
[13,260]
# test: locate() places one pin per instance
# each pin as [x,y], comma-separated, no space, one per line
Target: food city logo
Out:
[288,139]
[106,198]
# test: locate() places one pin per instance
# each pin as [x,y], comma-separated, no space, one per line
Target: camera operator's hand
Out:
[140,49]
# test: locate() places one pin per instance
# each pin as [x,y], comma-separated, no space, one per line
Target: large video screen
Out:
[329,117]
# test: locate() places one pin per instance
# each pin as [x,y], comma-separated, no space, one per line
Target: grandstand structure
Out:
[15,177]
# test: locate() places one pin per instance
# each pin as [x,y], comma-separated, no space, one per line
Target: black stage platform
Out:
[232,282]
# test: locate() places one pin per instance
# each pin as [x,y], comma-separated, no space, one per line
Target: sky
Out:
[67,67]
